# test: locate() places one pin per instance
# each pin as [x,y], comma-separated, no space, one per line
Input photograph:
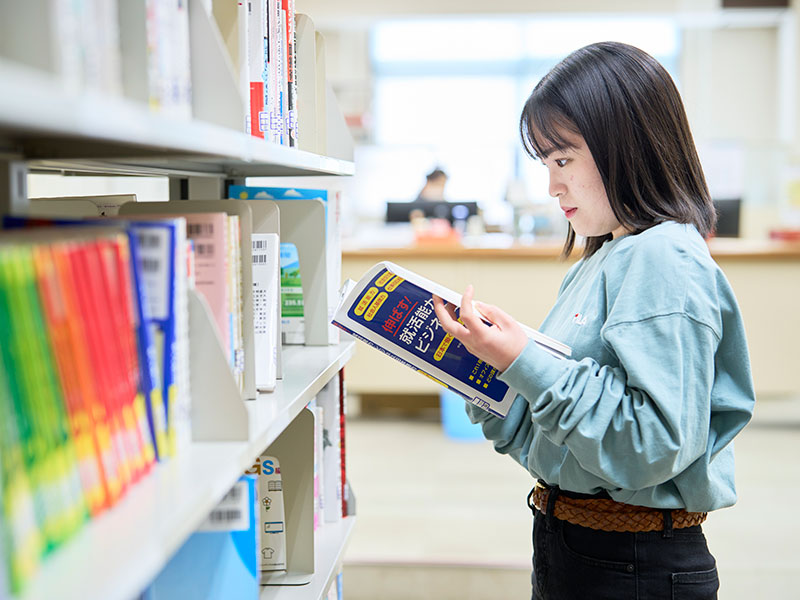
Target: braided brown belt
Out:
[609,515]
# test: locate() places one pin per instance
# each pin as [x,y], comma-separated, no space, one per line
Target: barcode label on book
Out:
[200,229]
[154,265]
[232,513]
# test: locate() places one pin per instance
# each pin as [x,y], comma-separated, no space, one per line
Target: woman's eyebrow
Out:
[548,151]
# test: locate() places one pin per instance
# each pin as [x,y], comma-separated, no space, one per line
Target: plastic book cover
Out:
[391,309]
[220,560]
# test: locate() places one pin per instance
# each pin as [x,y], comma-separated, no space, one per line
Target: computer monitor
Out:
[399,212]
[728,215]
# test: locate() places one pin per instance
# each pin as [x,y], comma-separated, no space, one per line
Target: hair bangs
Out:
[542,128]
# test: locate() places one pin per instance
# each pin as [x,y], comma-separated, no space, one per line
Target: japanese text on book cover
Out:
[391,309]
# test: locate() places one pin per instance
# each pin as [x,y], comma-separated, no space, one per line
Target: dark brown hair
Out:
[627,108]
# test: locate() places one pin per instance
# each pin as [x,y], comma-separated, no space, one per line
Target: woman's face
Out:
[576,182]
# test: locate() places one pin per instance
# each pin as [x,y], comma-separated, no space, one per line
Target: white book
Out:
[266,291]
[319,476]
[79,206]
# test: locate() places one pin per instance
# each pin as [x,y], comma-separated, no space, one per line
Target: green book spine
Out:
[22,537]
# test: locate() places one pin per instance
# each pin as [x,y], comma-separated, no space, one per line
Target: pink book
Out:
[208,232]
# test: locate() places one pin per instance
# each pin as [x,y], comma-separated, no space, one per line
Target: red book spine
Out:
[86,265]
[118,333]
[68,355]
[342,418]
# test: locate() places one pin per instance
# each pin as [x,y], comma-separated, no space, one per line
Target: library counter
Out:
[524,280]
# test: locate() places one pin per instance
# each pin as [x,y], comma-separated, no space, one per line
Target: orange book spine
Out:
[118,332]
[85,267]
[66,357]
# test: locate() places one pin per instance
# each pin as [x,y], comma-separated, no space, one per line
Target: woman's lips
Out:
[568,212]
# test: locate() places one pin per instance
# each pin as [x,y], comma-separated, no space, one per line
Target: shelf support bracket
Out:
[13,187]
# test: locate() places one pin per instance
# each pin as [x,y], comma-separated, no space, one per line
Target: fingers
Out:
[468,316]
[447,319]
[494,314]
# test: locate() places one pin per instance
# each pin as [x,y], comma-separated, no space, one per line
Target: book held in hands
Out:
[391,309]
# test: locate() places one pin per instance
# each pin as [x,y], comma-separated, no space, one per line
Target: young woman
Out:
[630,438]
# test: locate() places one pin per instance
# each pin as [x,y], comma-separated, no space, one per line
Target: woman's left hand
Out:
[498,344]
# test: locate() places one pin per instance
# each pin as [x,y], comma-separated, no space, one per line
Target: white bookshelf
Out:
[331,542]
[47,126]
[116,555]
[59,129]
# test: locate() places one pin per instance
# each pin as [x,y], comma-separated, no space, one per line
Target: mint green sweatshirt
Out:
[658,384]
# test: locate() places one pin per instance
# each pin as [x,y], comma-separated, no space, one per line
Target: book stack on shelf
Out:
[82,421]
[164,239]
[141,363]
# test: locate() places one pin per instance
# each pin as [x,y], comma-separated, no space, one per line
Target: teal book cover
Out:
[218,561]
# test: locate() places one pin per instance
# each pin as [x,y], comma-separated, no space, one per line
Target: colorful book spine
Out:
[347,508]
[54,303]
[257,65]
[157,245]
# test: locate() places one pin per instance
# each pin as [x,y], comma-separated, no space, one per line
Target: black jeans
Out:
[571,562]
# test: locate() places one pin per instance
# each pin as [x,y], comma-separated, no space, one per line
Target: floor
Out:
[442,518]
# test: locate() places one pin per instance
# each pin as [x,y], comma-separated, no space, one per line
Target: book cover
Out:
[257,65]
[272,520]
[209,232]
[219,561]
[292,313]
[391,309]
[266,283]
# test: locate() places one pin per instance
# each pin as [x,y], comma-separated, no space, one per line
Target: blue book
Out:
[391,309]
[219,560]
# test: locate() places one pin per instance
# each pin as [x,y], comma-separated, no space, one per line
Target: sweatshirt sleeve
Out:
[655,412]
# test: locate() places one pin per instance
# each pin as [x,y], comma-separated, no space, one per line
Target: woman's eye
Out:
[561,162]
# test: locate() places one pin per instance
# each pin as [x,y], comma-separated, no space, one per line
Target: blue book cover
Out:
[391,309]
[219,560]
[156,251]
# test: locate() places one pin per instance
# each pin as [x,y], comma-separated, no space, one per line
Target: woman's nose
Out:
[556,188]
